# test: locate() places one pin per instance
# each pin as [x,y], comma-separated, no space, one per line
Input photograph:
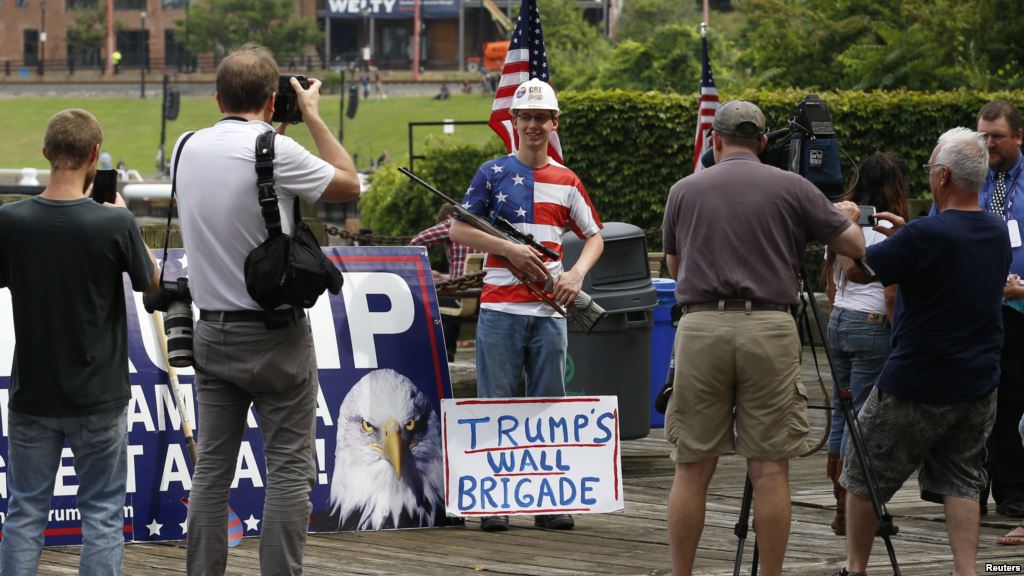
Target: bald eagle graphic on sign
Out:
[387,460]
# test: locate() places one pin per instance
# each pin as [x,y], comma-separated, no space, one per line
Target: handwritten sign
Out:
[532,455]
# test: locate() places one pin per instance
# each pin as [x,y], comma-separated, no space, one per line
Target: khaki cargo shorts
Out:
[737,371]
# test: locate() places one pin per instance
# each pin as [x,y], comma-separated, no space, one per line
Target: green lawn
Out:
[131,126]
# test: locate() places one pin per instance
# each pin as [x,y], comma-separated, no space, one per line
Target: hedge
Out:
[395,206]
[630,147]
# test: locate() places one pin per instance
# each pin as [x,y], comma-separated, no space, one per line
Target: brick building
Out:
[38,36]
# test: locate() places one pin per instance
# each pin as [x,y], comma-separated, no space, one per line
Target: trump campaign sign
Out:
[382,371]
[512,456]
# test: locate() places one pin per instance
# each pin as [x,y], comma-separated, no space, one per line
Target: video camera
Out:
[807,146]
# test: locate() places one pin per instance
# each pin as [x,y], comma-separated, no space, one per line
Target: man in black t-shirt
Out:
[62,256]
[934,402]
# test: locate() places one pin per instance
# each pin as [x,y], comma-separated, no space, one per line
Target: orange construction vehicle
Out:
[494,57]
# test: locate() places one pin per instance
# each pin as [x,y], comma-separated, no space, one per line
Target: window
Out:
[80,54]
[21,3]
[129,5]
[134,47]
[81,4]
[30,47]
[175,53]
[395,41]
[174,4]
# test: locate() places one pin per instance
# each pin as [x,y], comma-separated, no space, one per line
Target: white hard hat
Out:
[534,94]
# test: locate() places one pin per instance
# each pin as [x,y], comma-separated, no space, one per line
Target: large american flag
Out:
[526,59]
[708,102]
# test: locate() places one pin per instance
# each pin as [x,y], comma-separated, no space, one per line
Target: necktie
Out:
[999,194]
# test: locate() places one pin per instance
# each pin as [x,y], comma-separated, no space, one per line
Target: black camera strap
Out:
[267,195]
[172,208]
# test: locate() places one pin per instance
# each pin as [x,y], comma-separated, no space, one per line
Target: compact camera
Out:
[173,298]
[286,103]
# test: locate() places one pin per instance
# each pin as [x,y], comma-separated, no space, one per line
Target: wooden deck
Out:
[632,542]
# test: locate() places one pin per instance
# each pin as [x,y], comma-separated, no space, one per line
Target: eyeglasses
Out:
[928,167]
[997,138]
[540,118]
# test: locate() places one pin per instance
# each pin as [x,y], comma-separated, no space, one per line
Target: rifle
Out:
[584,311]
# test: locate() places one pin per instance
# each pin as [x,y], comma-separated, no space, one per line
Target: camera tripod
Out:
[885,527]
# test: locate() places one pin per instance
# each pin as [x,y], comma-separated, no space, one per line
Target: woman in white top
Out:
[859,329]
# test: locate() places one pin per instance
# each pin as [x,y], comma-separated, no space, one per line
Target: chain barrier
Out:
[365,239]
[461,284]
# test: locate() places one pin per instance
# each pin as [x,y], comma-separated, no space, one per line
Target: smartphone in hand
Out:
[104,186]
[867,216]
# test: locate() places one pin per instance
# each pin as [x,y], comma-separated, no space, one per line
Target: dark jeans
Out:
[1005,452]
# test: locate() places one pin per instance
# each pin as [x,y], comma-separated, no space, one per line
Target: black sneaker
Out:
[845,572]
[494,523]
[554,521]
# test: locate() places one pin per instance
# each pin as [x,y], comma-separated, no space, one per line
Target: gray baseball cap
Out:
[739,118]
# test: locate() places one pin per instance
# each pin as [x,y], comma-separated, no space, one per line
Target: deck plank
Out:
[628,543]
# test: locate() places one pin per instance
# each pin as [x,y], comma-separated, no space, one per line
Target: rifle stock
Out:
[584,311]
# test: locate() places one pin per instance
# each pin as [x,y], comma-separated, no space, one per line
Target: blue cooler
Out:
[663,335]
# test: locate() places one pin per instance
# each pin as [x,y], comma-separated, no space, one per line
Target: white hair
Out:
[963,151]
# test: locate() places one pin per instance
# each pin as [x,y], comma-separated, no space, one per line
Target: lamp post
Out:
[188,55]
[42,37]
[365,55]
[142,57]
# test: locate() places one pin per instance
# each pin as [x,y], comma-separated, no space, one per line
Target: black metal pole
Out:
[163,128]
[142,58]
[188,55]
[341,111]
[42,37]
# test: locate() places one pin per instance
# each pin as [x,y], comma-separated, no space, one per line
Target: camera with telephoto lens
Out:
[172,297]
[286,103]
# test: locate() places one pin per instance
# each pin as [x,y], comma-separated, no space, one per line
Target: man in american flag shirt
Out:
[517,332]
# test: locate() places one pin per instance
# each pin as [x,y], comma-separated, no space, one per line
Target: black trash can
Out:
[615,359]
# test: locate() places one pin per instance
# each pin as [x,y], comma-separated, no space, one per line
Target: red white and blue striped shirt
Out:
[544,202]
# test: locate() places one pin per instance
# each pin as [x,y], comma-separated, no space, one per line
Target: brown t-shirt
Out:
[739,229]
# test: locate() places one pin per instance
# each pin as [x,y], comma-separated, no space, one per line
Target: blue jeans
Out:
[100,445]
[507,344]
[859,350]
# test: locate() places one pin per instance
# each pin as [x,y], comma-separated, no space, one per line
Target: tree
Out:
[575,47]
[889,44]
[221,25]
[640,18]
[89,30]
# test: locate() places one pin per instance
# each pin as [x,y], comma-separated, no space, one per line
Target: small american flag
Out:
[526,59]
[708,102]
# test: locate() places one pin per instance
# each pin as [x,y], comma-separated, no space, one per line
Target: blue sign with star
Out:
[382,370]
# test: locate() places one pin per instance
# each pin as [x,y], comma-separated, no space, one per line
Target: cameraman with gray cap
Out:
[734,237]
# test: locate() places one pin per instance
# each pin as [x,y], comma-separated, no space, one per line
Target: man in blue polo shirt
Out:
[934,403]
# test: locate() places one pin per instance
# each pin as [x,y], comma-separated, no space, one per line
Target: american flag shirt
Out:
[544,202]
